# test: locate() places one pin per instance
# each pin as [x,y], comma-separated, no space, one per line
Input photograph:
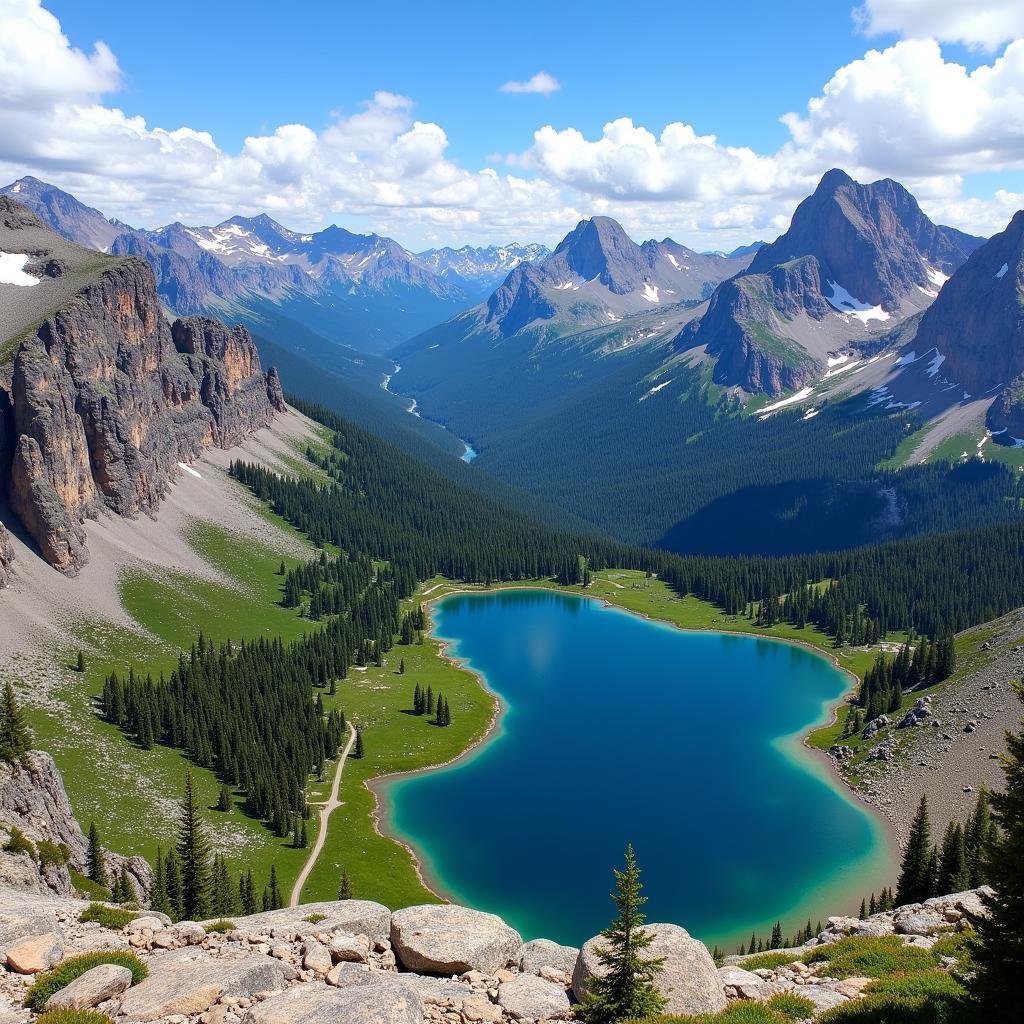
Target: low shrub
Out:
[110,917]
[315,918]
[74,967]
[87,887]
[223,925]
[20,843]
[959,946]
[778,1010]
[73,1017]
[52,853]
[923,997]
[791,1007]
[768,961]
[871,957]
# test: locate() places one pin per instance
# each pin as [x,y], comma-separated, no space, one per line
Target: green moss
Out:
[791,1007]
[113,918]
[769,961]
[88,888]
[73,1017]
[74,967]
[924,997]
[871,957]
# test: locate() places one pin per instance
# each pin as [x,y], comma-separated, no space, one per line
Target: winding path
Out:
[325,813]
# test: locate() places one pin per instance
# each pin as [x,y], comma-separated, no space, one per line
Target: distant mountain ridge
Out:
[481,269]
[367,291]
[855,261]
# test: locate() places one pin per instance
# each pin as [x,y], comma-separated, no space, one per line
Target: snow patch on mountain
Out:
[844,302]
[12,269]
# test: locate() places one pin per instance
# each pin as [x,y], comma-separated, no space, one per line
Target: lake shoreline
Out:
[802,751]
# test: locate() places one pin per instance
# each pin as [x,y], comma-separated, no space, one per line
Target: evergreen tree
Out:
[224,801]
[864,909]
[999,952]
[276,901]
[158,893]
[194,855]
[978,831]
[357,748]
[303,836]
[80,662]
[345,887]
[96,866]
[777,936]
[430,700]
[249,895]
[172,870]
[15,735]
[627,990]
[401,667]
[954,870]
[915,883]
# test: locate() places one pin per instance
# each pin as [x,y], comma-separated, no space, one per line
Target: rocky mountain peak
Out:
[977,325]
[64,213]
[599,248]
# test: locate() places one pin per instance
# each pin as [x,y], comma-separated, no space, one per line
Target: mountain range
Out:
[364,291]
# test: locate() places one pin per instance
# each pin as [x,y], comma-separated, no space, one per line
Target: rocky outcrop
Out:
[6,556]
[445,939]
[688,981]
[33,799]
[256,973]
[104,400]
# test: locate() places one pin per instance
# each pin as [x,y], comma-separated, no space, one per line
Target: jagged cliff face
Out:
[32,797]
[104,398]
[977,324]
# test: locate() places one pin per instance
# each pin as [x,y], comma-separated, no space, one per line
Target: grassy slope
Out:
[130,792]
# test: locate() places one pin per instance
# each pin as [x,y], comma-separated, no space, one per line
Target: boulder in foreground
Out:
[445,939]
[689,980]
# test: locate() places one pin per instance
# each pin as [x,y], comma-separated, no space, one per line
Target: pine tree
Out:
[975,836]
[357,748]
[627,990]
[345,887]
[158,893]
[303,836]
[915,884]
[430,700]
[224,801]
[80,662]
[249,897]
[15,735]
[97,868]
[864,909]
[776,936]
[194,854]
[276,902]
[172,869]
[954,871]
[401,667]
[999,952]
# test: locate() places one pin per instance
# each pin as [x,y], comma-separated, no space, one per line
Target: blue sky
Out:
[238,69]
[392,117]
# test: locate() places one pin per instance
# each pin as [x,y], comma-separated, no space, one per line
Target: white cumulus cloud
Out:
[541,82]
[977,23]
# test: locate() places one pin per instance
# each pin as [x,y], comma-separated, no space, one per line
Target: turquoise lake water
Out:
[618,729]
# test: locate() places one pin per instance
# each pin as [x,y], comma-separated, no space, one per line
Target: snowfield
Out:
[12,269]
[844,302]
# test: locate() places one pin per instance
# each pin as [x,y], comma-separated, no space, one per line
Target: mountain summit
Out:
[855,261]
